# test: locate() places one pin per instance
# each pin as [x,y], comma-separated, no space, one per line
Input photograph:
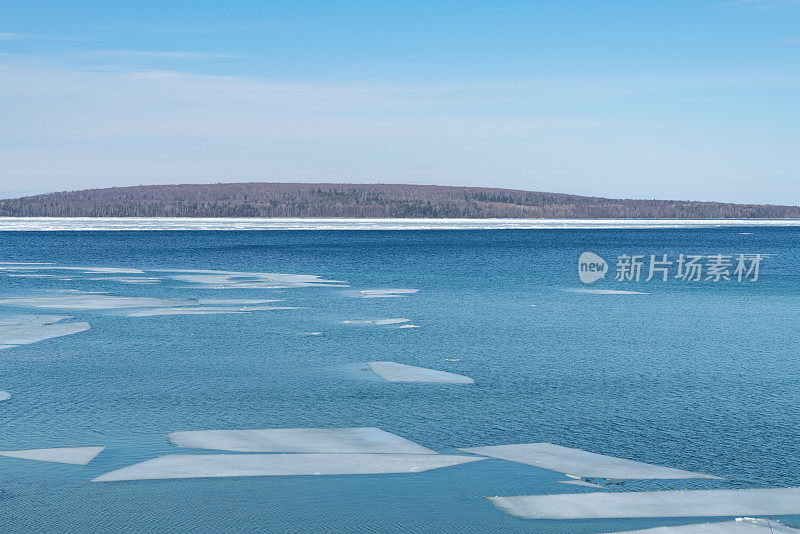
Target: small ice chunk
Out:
[741,525]
[581,483]
[26,329]
[307,440]
[61,455]
[31,275]
[238,302]
[93,301]
[608,292]
[104,270]
[398,372]
[205,310]
[581,463]
[54,267]
[245,280]
[384,293]
[242,465]
[127,279]
[410,326]
[681,503]
[398,320]
[4,395]
[22,264]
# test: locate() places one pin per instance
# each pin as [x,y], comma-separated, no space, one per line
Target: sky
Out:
[674,99]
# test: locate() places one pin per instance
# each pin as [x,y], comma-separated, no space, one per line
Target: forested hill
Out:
[363,201]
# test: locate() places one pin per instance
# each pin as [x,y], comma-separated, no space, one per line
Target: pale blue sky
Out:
[672,99]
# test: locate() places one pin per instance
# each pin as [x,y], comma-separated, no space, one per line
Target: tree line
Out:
[274,200]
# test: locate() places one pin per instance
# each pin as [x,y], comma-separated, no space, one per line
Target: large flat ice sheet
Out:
[242,465]
[682,503]
[308,440]
[581,463]
[398,372]
[61,455]
[742,525]
[26,329]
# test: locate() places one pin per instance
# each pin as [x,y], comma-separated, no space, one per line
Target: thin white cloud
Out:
[77,126]
[29,36]
[156,54]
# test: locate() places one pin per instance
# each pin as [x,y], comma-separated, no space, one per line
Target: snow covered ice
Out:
[581,463]
[679,503]
[61,455]
[26,329]
[398,372]
[233,465]
[307,440]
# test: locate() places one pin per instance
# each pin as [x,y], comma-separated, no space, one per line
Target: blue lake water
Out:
[700,376]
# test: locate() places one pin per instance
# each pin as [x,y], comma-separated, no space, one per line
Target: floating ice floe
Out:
[742,525]
[4,395]
[608,292]
[582,483]
[32,275]
[54,267]
[127,279]
[61,455]
[384,293]
[398,372]
[242,465]
[210,279]
[398,320]
[239,302]
[26,329]
[680,503]
[6,264]
[581,463]
[205,310]
[299,440]
[92,301]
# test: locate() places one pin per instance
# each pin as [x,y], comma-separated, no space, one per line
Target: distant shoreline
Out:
[363,224]
[271,200]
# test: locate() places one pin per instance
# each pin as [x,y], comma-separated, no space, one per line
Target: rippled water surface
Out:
[698,376]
